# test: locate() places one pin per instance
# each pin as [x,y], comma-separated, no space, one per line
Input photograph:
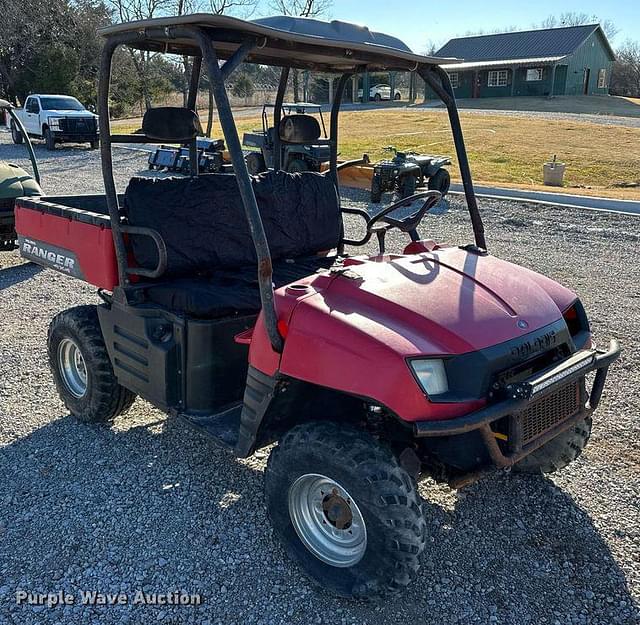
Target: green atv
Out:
[15,182]
[407,171]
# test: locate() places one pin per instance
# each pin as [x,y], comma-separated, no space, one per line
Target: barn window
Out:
[498,78]
[453,77]
[533,74]
[602,79]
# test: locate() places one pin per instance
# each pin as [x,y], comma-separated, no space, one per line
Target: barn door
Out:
[585,85]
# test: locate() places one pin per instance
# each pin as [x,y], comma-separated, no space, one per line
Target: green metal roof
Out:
[548,42]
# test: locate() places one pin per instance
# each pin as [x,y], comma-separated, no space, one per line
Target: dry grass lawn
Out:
[601,159]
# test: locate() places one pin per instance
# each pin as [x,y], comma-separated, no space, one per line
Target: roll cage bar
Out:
[236,47]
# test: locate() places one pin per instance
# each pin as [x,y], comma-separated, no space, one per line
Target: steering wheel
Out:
[381,223]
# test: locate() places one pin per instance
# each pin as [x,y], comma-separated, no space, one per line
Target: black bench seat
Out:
[211,261]
[229,293]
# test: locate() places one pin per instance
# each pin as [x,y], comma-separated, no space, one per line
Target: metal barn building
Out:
[572,60]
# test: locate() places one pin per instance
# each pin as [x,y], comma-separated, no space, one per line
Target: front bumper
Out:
[72,137]
[522,396]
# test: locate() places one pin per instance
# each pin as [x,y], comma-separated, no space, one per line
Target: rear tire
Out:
[397,96]
[336,495]
[82,369]
[440,181]
[7,245]
[558,452]
[16,135]
[297,165]
[49,139]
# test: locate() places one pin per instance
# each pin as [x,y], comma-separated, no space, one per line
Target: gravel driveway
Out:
[149,505]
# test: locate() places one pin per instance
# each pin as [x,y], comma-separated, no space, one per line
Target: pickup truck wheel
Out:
[440,181]
[397,96]
[345,510]
[49,139]
[558,452]
[82,369]
[16,135]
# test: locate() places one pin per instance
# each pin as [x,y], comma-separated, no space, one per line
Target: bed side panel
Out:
[73,242]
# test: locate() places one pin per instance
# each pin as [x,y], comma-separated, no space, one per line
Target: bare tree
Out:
[625,79]
[574,18]
[301,8]
[129,10]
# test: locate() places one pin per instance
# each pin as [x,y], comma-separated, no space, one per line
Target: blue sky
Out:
[417,21]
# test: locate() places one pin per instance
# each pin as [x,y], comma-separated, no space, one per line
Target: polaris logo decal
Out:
[50,256]
[539,344]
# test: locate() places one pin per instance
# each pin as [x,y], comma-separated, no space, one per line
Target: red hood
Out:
[444,302]
[354,332]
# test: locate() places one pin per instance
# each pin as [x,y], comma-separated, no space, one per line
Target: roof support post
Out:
[277,115]
[438,80]
[194,83]
[105,153]
[333,126]
[265,271]
[513,79]
[237,57]
[553,80]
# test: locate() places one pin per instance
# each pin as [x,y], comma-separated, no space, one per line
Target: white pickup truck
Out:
[56,119]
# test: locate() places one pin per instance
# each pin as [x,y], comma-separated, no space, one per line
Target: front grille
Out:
[80,125]
[545,413]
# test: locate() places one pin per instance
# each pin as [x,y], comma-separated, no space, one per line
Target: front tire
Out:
[345,510]
[82,369]
[16,135]
[558,452]
[376,190]
[255,163]
[440,181]
[408,186]
[49,139]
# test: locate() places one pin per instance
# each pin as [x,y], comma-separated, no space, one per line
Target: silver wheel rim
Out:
[327,520]
[72,367]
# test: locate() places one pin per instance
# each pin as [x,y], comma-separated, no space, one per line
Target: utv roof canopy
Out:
[286,42]
[300,42]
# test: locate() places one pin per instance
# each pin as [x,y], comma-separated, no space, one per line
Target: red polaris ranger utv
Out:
[229,301]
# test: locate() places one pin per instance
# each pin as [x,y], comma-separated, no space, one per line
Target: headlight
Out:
[54,122]
[431,375]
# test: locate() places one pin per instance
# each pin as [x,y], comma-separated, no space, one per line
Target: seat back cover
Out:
[204,226]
